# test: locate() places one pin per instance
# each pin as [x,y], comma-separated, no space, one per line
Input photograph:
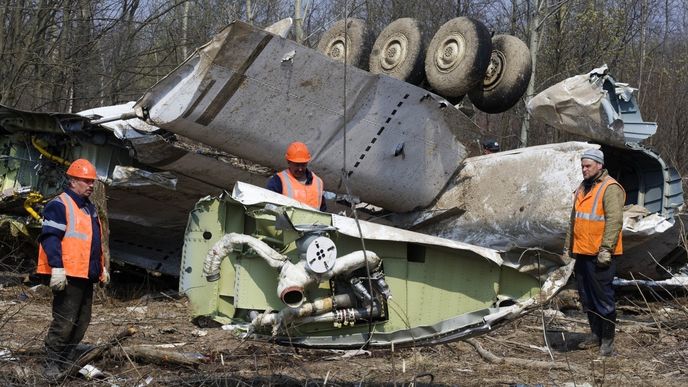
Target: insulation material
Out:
[639,220]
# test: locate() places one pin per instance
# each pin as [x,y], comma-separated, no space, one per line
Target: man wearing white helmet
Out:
[71,252]
[594,241]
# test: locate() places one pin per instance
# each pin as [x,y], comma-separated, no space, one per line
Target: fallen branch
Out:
[164,357]
[491,358]
[516,343]
[96,352]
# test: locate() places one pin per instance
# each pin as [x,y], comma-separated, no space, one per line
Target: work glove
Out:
[104,277]
[58,279]
[604,259]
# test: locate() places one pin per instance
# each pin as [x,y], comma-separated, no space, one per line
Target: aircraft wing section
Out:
[251,93]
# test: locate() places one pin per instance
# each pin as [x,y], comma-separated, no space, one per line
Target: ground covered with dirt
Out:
[651,348]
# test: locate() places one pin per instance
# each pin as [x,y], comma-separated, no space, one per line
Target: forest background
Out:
[71,55]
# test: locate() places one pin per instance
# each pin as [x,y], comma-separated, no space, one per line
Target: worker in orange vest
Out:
[594,239]
[71,252]
[297,181]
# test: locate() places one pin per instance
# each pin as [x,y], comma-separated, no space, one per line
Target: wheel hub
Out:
[337,49]
[394,52]
[494,70]
[450,53]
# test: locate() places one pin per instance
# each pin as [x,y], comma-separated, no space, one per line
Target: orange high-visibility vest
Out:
[588,227]
[309,194]
[76,243]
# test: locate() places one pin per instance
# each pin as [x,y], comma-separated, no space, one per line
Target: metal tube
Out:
[122,117]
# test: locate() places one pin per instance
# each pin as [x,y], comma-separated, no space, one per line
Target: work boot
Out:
[607,334]
[593,339]
[590,341]
[52,369]
[607,346]
[79,350]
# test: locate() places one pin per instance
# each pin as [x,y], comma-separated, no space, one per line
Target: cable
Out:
[345,179]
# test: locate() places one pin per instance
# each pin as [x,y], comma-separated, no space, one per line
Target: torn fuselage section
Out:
[522,198]
[295,275]
[594,106]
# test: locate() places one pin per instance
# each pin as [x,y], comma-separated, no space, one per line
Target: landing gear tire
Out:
[506,78]
[335,42]
[458,56]
[398,51]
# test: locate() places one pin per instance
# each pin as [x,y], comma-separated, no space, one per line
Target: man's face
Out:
[81,187]
[297,169]
[590,168]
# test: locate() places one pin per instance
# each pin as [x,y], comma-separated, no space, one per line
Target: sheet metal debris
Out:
[593,106]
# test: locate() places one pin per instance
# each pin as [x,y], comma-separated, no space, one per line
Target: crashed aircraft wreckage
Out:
[245,257]
[302,277]
[239,93]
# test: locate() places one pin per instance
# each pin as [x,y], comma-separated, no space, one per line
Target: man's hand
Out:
[58,279]
[104,277]
[604,259]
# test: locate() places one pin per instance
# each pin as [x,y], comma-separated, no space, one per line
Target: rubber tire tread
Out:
[513,81]
[411,68]
[471,67]
[357,34]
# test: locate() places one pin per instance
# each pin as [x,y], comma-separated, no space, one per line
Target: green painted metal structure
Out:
[441,290]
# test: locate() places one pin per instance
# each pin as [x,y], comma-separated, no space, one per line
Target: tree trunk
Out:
[643,47]
[298,22]
[534,29]
[249,12]
[185,30]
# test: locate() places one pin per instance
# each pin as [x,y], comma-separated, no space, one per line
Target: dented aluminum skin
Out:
[522,198]
[594,106]
[251,93]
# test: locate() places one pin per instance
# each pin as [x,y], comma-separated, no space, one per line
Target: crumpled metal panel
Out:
[153,150]
[251,195]
[594,106]
[243,94]
[14,120]
[521,197]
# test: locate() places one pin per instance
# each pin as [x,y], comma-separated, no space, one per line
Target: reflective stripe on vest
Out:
[72,212]
[589,223]
[76,243]
[309,194]
[53,224]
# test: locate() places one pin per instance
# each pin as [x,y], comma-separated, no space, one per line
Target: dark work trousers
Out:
[71,316]
[595,286]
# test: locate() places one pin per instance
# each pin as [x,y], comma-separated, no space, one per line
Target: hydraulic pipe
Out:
[123,117]
[221,249]
[317,307]
[295,277]
[33,198]
[47,154]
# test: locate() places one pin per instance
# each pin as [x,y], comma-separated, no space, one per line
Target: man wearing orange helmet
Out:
[297,181]
[71,252]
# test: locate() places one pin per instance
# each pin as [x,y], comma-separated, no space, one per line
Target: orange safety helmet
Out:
[297,152]
[82,168]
